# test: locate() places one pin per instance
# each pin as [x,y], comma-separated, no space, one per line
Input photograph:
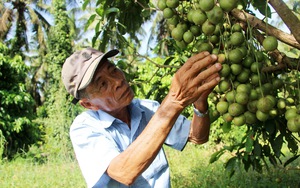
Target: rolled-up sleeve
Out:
[179,134]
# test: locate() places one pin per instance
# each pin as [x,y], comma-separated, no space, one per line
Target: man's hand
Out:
[195,79]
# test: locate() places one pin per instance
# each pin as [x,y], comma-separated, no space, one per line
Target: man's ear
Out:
[87,104]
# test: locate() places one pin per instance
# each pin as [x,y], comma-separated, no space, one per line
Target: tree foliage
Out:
[114,19]
[17,130]
[263,138]
[118,24]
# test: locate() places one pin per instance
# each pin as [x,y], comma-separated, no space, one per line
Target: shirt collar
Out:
[107,120]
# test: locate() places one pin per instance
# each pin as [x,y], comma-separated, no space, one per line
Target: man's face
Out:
[109,91]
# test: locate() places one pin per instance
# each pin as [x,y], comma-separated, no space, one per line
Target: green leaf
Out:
[226,127]
[85,3]
[100,11]
[291,160]
[257,149]
[256,165]
[270,127]
[247,164]
[94,39]
[277,145]
[261,6]
[146,13]
[230,166]
[111,10]
[215,156]
[97,28]
[249,142]
[272,159]
[292,144]
[168,60]
[90,21]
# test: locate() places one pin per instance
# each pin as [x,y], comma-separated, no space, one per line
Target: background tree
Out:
[248,49]
[57,113]
[17,130]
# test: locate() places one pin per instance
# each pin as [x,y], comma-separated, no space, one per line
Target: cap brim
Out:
[87,78]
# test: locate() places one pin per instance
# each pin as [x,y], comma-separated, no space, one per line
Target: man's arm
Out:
[187,86]
[200,126]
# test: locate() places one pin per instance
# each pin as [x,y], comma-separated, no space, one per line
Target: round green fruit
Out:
[173,21]
[225,71]
[205,47]
[253,95]
[277,83]
[254,79]
[235,56]
[291,113]
[247,62]
[227,117]
[242,98]
[214,39]
[250,117]
[222,107]
[281,104]
[224,85]
[188,37]
[215,15]
[181,44]
[293,124]
[261,116]
[265,104]
[206,5]
[259,56]
[239,120]
[196,30]
[237,38]
[199,17]
[243,77]
[243,88]
[168,13]
[252,106]
[236,27]
[161,4]
[190,15]
[270,43]
[235,109]
[208,28]
[236,69]
[177,33]
[256,67]
[230,96]
[172,3]
[228,5]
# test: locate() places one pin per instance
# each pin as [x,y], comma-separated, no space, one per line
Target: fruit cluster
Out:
[245,94]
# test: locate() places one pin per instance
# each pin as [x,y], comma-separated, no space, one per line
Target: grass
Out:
[189,169]
[26,174]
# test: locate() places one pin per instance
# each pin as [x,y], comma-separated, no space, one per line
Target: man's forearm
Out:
[200,128]
[127,166]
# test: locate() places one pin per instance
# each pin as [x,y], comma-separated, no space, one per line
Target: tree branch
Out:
[265,27]
[288,17]
[284,62]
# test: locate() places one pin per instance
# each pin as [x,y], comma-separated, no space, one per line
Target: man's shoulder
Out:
[84,119]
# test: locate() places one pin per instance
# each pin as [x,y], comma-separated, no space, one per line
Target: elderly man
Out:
[118,140]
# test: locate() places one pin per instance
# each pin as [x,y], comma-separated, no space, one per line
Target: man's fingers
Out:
[206,74]
[195,62]
[209,85]
[204,63]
